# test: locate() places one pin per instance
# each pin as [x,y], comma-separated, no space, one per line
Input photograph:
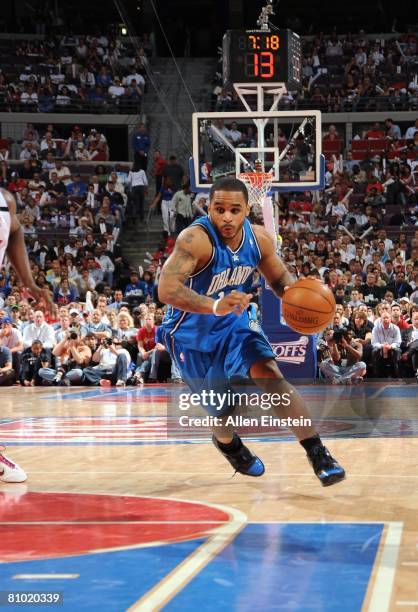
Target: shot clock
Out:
[262,56]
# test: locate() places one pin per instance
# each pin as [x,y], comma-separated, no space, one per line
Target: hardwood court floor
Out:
[116,516]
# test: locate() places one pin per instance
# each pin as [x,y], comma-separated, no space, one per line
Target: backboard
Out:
[288,144]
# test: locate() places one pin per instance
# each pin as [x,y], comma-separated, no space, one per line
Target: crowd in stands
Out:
[103,327]
[360,236]
[348,73]
[97,74]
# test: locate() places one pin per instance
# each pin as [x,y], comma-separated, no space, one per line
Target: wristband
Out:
[214,307]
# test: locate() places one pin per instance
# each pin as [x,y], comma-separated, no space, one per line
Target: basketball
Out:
[308,306]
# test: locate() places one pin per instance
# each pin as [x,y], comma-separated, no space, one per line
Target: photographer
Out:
[340,357]
[362,333]
[73,355]
[112,365]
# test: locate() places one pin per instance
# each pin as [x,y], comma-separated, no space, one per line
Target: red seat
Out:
[358,155]
[332,146]
[360,145]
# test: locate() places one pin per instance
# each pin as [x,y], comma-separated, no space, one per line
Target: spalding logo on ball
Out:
[308,306]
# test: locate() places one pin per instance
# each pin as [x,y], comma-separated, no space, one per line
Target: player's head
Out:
[228,206]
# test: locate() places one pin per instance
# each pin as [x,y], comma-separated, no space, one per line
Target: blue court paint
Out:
[303,567]
[323,567]
[111,581]
[407,391]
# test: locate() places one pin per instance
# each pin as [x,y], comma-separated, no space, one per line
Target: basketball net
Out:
[258,185]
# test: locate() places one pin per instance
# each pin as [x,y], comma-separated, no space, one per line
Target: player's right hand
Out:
[43,297]
[236,302]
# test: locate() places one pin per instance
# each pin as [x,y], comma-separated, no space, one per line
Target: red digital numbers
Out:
[260,65]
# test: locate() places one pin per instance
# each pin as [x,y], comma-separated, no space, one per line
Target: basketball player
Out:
[206,330]
[12,241]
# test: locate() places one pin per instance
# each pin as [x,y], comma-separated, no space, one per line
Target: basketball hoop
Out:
[258,185]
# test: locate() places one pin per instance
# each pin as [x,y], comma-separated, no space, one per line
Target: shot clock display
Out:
[261,56]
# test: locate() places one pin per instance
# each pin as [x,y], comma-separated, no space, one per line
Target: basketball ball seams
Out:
[325,312]
[313,291]
[304,313]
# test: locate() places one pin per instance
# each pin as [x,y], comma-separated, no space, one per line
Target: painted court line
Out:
[165,590]
[385,575]
[45,576]
[410,563]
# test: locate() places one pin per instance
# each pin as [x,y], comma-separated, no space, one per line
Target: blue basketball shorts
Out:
[232,358]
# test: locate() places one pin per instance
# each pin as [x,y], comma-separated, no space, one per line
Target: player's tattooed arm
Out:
[191,252]
[271,266]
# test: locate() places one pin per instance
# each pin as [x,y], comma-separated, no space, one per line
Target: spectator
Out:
[386,342]
[159,165]
[7,373]
[11,338]
[96,327]
[141,144]
[136,289]
[33,359]
[118,300]
[410,343]
[182,206]
[146,345]
[410,132]
[39,330]
[400,288]
[393,131]
[77,187]
[173,174]
[397,318]
[105,219]
[372,294]
[167,210]
[138,182]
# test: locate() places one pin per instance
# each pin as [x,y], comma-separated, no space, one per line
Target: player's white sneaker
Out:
[9,471]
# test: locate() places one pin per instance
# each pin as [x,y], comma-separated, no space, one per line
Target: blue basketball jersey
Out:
[225,271]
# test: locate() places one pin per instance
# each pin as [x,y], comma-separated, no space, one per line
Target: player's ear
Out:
[247,212]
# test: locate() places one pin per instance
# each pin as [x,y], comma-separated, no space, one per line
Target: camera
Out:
[108,341]
[339,334]
[73,335]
